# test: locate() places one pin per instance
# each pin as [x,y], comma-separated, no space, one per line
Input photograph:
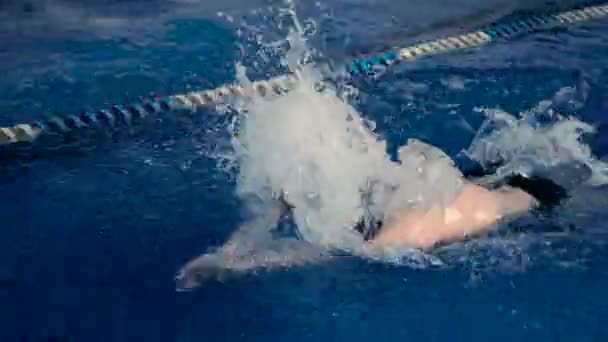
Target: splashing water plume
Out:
[316,148]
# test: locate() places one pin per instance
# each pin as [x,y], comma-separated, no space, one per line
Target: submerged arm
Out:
[215,266]
[250,247]
[243,240]
[280,253]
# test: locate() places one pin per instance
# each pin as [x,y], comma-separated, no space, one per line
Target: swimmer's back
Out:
[474,211]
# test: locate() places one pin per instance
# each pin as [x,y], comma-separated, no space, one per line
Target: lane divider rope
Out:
[126,114]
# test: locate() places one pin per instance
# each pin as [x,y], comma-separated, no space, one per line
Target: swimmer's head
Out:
[196,272]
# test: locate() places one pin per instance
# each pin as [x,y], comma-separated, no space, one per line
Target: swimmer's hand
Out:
[198,271]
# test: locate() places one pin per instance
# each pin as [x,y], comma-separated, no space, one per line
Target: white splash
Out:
[316,148]
[537,140]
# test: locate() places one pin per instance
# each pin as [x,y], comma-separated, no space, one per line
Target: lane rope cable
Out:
[126,114]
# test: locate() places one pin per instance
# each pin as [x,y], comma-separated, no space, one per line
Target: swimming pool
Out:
[91,238]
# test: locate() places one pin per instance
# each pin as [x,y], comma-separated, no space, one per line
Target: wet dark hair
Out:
[548,193]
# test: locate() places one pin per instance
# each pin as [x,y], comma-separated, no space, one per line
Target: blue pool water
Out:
[90,239]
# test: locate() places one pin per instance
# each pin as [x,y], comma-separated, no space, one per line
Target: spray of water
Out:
[317,149]
[537,140]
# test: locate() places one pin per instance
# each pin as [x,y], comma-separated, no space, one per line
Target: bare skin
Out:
[249,248]
[475,211]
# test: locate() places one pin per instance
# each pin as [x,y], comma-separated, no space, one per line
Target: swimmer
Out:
[475,211]
[334,172]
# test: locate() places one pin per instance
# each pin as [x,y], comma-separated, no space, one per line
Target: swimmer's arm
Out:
[282,254]
[246,249]
[243,241]
[215,266]
[264,220]
[257,228]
